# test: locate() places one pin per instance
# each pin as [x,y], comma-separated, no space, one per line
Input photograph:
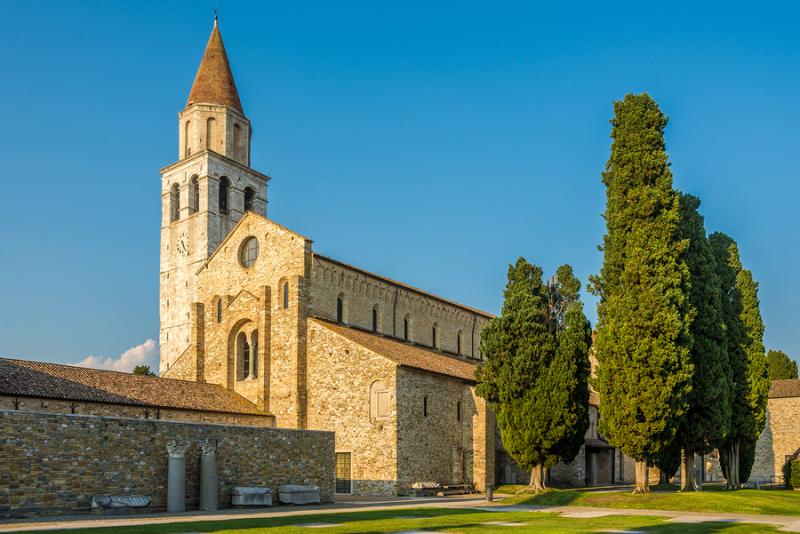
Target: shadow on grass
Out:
[454,520]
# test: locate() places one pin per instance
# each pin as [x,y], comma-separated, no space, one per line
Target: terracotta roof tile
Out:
[784,388]
[66,382]
[405,354]
[214,83]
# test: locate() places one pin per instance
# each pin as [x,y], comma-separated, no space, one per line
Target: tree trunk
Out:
[663,478]
[689,480]
[732,475]
[642,484]
[538,481]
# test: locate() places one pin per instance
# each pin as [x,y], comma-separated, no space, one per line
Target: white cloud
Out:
[144,354]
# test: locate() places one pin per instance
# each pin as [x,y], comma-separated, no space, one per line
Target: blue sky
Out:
[431,142]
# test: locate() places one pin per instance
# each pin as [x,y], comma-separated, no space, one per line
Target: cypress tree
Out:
[781,366]
[535,372]
[745,346]
[707,422]
[644,372]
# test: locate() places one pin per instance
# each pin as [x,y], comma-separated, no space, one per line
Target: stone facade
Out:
[55,462]
[779,440]
[458,328]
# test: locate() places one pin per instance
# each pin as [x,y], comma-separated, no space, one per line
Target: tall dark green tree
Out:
[707,422]
[781,366]
[536,367]
[745,346]
[643,340]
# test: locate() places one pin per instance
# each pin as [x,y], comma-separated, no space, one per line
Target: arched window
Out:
[249,197]
[194,195]
[254,365]
[458,343]
[237,141]
[339,309]
[174,203]
[458,411]
[187,149]
[285,290]
[375,318]
[406,327]
[224,188]
[219,310]
[243,350]
[210,131]
[425,406]
[433,336]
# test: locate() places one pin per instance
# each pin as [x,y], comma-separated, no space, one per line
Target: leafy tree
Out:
[644,373]
[143,370]
[707,422]
[535,375]
[744,338]
[781,366]
[668,461]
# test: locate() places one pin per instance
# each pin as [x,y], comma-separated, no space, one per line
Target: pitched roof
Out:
[784,388]
[405,286]
[405,354]
[26,378]
[214,83]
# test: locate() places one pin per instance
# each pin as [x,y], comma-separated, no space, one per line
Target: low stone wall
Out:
[40,404]
[54,463]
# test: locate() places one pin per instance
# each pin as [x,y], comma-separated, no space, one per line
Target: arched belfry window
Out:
[219,310]
[406,328]
[249,198]
[425,406]
[210,133]
[285,290]
[224,191]
[194,195]
[433,336]
[375,318]
[174,203]
[187,145]
[340,309]
[243,355]
[458,343]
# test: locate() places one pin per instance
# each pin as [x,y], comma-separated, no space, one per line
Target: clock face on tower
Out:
[183,244]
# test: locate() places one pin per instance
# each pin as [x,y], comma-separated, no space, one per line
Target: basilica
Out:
[315,366]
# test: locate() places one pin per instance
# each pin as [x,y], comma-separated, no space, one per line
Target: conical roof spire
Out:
[214,83]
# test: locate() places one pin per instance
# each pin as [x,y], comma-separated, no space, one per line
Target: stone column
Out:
[176,476]
[209,481]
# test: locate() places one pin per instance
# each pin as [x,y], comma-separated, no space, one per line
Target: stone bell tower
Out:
[204,193]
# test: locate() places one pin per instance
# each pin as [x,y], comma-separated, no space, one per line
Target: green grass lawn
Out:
[712,499]
[452,520]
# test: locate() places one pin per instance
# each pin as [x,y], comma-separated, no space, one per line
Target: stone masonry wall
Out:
[55,463]
[30,404]
[439,447]
[780,438]
[362,292]
[252,299]
[340,377]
